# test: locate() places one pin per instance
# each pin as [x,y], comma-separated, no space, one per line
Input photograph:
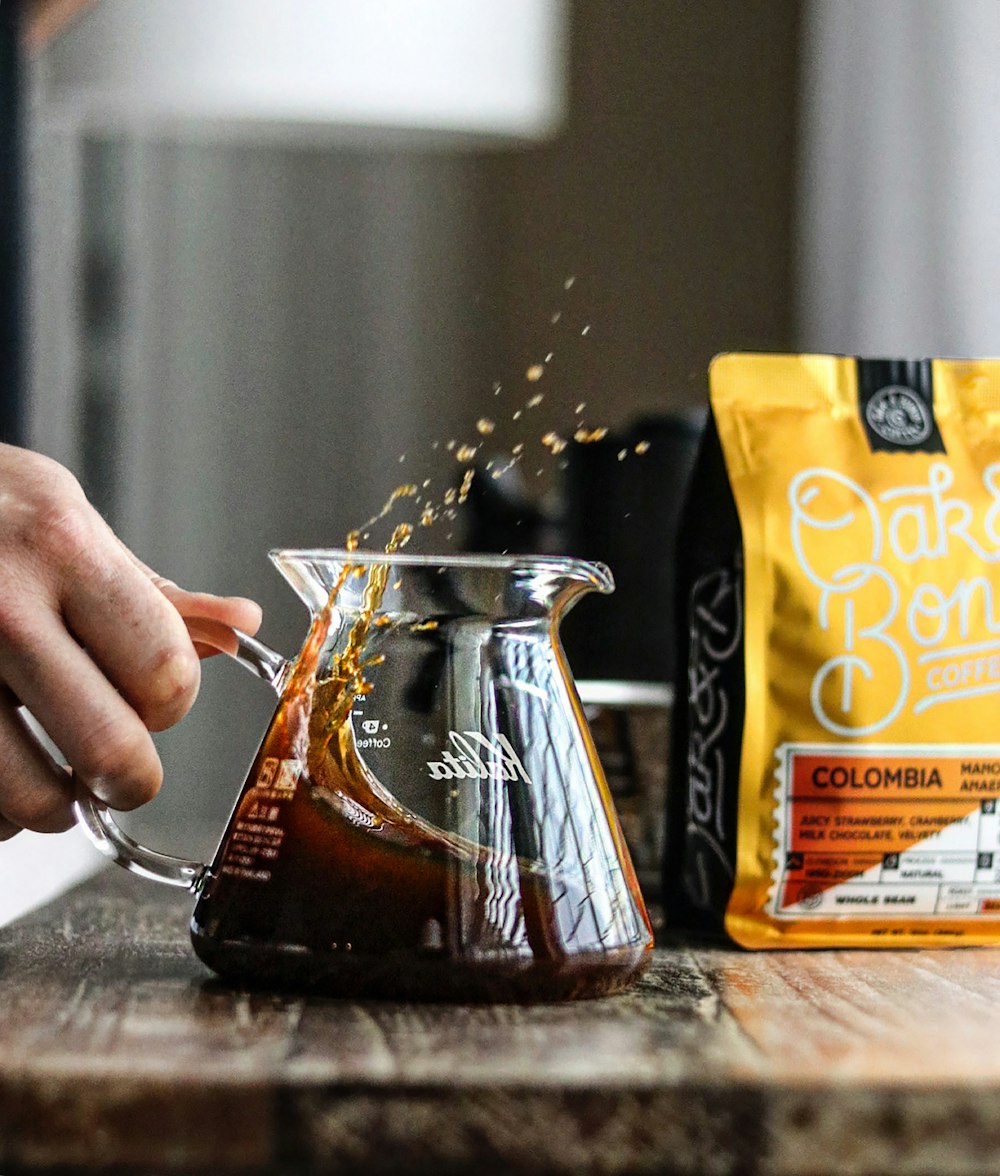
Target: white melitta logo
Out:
[472,756]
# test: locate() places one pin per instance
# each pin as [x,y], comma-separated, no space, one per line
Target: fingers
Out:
[135,636]
[65,566]
[99,649]
[37,794]
[215,612]
[210,619]
[57,561]
[211,637]
[104,740]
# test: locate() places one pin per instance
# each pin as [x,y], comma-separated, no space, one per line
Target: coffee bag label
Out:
[886,829]
[868,773]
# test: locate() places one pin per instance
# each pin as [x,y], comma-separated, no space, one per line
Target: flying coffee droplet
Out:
[451,445]
[589,436]
[450,495]
[466,453]
[423,626]
[400,537]
[580,407]
[518,449]
[642,447]
[485,426]
[517,415]
[549,358]
[466,486]
[622,454]
[568,284]
[586,330]
[427,518]
[536,400]
[555,317]
[554,443]
[535,372]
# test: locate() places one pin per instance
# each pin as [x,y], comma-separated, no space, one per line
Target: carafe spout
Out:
[312,575]
[590,576]
[574,578]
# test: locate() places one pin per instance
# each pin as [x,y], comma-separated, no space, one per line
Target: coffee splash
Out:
[322,696]
[346,677]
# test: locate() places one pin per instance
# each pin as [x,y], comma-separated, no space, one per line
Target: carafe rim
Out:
[598,575]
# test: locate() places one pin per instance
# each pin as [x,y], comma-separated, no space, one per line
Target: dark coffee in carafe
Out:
[438,827]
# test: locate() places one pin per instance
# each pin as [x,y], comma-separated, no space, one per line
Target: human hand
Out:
[98,648]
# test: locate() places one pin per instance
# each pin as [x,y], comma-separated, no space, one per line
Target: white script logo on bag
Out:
[474,757]
[944,623]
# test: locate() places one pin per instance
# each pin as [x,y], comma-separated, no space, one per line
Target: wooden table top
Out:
[119,1052]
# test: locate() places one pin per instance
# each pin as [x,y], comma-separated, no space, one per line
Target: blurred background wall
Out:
[900,178]
[238,327]
[669,192]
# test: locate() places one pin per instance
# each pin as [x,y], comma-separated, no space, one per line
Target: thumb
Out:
[210,619]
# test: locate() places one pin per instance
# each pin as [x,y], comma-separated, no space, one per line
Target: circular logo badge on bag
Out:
[898,415]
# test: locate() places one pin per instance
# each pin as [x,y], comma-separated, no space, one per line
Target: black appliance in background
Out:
[621,507]
[619,500]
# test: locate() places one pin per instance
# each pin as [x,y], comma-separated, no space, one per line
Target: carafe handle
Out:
[99,823]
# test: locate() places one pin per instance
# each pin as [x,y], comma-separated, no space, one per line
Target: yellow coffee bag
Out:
[836,763]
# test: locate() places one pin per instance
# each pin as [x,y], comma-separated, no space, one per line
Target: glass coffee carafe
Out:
[426,816]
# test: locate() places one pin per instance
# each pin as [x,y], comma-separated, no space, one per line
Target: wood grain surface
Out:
[120,1053]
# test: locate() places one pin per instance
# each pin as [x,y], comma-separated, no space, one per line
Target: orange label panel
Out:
[893,829]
